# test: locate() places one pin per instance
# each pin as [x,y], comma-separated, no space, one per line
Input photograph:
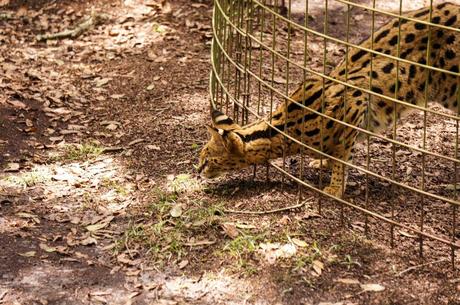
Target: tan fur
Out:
[238,147]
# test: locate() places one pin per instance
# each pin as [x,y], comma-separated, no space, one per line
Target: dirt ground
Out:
[100,203]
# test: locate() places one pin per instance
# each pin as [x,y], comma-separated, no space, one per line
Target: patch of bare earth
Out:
[99,203]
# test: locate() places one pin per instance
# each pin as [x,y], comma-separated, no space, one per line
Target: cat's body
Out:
[233,147]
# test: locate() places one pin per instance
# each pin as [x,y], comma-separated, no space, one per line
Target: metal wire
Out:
[245,81]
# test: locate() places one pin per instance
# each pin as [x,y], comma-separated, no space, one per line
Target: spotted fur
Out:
[233,147]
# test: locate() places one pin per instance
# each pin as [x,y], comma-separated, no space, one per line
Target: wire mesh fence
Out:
[405,176]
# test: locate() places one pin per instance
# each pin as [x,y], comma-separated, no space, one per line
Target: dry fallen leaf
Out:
[111,126]
[100,225]
[153,147]
[176,211]
[88,241]
[230,229]
[372,287]
[12,167]
[34,217]
[347,281]
[318,266]
[102,82]
[47,248]
[27,254]
[182,264]
[17,104]
[299,243]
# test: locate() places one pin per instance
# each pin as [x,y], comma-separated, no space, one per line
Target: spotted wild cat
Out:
[234,147]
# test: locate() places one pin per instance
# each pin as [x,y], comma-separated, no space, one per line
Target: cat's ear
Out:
[231,141]
[222,121]
[215,132]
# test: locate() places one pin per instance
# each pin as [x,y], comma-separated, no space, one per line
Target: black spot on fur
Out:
[356,77]
[312,133]
[436,19]
[358,55]
[377,90]
[342,72]
[412,71]
[374,75]
[439,33]
[389,110]
[409,38]
[307,102]
[420,26]
[453,90]
[422,13]
[451,20]
[307,117]
[338,93]
[454,69]
[329,124]
[381,35]
[450,39]
[424,40]
[442,62]
[298,132]
[410,95]
[441,6]
[388,67]
[436,46]
[366,63]
[450,54]
[406,52]
[394,40]
[277,116]
[381,104]
[421,87]
[393,87]
[354,115]
[357,93]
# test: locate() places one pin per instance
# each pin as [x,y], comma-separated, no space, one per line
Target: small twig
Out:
[85,25]
[422,265]
[293,207]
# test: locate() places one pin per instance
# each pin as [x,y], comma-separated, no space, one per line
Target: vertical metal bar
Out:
[247,61]
[427,73]
[368,126]
[272,80]
[288,56]
[221,35]
[261,29]
[395,117]
[239,21]
[229,49]
[322,102]
[347,37]
[304,76]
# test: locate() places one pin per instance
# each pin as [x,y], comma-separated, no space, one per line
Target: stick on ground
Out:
[299,205]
